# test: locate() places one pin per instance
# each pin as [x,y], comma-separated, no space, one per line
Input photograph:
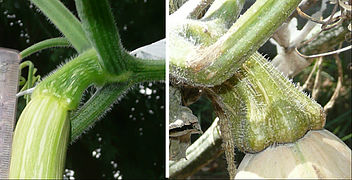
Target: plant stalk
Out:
[49,43]
[100,28]
[65,21]
[214,64]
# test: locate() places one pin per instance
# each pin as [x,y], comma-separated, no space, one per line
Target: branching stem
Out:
[316,87]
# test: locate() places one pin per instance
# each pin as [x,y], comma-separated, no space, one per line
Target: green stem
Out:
[147,70]
[49,43]
[44,125]
[95,107]
[89,113]
[29,82]
[22,82]
[349,136]
[100,28]
[69,82]
[227,11]
[30,75]
[213,65]
[65,21]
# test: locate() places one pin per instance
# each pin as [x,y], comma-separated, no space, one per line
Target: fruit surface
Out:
[319,154]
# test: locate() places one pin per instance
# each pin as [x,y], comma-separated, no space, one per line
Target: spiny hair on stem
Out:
[289,81]
[104,112]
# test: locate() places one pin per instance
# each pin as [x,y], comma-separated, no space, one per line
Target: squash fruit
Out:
[319,154]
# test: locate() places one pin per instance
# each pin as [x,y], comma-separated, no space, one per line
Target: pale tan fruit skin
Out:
[319,154]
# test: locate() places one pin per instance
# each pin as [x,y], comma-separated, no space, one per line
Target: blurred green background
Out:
[129,141]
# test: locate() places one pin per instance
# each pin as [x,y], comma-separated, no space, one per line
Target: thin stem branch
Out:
[324,23]
[308,27]
[306,16]
[325,54]
[49,43]
[29,82]
[305,85]
[331,18]
[65,21]
[305,4]
[331,102]
[316,87]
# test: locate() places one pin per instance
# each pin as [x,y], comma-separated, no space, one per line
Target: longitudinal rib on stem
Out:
[99,25]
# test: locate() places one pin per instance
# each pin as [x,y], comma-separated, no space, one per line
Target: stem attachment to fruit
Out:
[69,82]
[264,107]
